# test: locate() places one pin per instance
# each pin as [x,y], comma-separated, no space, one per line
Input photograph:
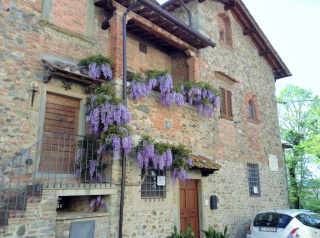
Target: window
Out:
[143,48]
[224,25]
[150,188]
[252,113]
[226,104]
[307,220]
[272,220]
[254,179]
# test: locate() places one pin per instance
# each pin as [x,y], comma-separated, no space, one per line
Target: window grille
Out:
[254,179]
[149,188]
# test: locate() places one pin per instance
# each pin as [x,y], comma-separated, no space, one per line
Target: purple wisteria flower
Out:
[92,169]
[98,71]
[180,174]
[116,146]
[98,201]
[106,71]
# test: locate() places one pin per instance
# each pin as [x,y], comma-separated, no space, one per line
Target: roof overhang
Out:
[205,165]
[70,72]
[161,27]
[250,28]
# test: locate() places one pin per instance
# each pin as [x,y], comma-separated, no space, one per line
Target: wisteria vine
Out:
[98,66]
[108,117]
[161,155]
[201,94]
[98,201]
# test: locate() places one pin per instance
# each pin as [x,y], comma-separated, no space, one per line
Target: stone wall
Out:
[27,35]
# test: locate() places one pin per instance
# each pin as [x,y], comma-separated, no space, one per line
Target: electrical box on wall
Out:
[213,202]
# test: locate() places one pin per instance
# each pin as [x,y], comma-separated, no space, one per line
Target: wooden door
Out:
[58,152]
[189,206]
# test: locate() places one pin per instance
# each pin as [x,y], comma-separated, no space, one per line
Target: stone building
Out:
[237,154]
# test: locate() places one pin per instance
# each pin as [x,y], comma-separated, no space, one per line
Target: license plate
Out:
[268,229]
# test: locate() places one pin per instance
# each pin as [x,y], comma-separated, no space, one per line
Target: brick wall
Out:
[70,15]
[24,42]
[139,61]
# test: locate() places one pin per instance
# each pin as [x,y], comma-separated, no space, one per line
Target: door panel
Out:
[58,150]
[189,208]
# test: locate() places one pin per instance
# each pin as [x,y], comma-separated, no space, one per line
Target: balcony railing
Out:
[58,161]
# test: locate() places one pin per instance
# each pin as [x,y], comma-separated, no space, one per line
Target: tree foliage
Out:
[298,116]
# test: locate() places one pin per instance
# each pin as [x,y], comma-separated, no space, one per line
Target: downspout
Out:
[176,21]
[168,3]
[189,13]
[123,180]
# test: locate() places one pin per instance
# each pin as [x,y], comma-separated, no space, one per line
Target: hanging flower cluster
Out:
[161,155]
[200,94]
[108,117]
[97,202]
[98,66]
[142,84]
[88,168]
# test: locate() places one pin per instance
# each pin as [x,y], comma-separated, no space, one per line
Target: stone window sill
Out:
[254,121]
[226,45]
[61,216]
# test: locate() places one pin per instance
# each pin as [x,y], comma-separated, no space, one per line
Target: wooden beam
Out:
[278,71]
[264,52]
[249,31]
[161,33]
[230,5]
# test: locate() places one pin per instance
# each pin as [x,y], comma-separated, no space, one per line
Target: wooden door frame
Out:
[60,92]
[47,89]
[200,203]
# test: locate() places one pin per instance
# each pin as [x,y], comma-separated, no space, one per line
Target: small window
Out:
[143,48]
[254,180]
[150,188]
[224,25]
[252,113]
[226,104]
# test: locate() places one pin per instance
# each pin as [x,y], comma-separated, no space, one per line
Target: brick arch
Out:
[251,98]
[225,30]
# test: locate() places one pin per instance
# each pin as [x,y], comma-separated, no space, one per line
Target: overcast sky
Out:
[293,28]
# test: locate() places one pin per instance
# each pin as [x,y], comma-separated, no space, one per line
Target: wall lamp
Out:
[34,88]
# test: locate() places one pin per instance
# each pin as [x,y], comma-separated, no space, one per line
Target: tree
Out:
[296,122]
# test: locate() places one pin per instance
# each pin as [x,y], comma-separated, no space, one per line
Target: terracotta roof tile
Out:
[204,163]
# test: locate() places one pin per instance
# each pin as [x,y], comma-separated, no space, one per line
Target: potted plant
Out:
[212,233]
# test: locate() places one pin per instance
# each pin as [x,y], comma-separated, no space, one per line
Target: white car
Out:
[283,224]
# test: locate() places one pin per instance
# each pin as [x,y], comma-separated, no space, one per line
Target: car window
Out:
[272,220]
[302,218]
[311,221]
[316,216]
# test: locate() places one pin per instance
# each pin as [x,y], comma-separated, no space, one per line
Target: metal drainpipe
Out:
[189,13]
[123,180]
[168,3]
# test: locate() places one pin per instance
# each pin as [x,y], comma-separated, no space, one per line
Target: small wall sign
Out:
[161,180]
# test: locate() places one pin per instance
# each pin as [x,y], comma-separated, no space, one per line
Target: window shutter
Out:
[223,108]
[229,105]
[226,104]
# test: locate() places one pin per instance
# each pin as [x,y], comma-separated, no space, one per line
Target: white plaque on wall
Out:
[161,180]
[255,189]
[273,163]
